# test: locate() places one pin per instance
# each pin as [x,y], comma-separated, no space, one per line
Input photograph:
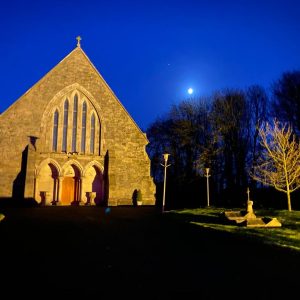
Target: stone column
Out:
[78,191]
[60,180]
[36,188]
[55,194]
[82,181]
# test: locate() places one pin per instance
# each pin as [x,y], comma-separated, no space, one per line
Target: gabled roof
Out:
[74,51]
[78,48]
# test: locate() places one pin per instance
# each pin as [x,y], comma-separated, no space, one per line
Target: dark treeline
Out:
[220,133]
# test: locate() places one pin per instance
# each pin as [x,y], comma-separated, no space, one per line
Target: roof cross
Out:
[78,41]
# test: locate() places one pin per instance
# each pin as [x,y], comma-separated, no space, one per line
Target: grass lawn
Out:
[140,253]
[286,236]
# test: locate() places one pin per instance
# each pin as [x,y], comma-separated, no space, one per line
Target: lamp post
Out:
[207,184]
[165,165]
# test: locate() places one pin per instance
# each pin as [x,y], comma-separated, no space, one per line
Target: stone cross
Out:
[249,205]
[78,41]
[248,193]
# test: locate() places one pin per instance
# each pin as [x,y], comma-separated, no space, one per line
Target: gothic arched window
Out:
[55,131]
[74,130]
[65,128]
[83,127]
[92,142]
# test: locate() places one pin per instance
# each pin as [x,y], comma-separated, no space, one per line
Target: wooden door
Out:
[68,191]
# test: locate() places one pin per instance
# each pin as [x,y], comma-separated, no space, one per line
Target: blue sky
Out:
[151,52]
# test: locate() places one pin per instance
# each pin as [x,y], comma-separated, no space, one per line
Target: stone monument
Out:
[248,218]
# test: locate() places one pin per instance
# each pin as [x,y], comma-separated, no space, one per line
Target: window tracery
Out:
[75,127]
[83,128]
[65,127]
[55,131]
[92,140]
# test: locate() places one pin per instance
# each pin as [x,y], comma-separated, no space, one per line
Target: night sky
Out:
[151,52]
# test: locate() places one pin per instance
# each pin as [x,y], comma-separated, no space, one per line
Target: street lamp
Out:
[207,184]
[165,165]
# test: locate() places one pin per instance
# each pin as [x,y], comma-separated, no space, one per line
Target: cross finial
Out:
[248,193]
[78,41]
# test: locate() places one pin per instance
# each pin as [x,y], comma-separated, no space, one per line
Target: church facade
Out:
[69,141]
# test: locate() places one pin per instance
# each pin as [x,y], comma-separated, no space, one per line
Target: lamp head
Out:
[166,156]
[207,170]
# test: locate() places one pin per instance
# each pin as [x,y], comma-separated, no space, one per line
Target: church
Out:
[69,141]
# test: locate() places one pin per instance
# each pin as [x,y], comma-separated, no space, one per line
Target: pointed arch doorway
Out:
[94,182]
[70,186]
[97,186]
[47,181]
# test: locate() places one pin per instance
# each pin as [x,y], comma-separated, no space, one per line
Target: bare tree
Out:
[279,165]
[257,101]
[286,92]
[182,133]
[230,121]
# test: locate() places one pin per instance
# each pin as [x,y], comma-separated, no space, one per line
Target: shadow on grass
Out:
[207,216]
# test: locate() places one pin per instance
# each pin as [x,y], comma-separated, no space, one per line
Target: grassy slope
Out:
[286,236]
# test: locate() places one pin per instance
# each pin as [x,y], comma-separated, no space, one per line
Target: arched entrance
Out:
[47,186]
[94,183]
[70,194]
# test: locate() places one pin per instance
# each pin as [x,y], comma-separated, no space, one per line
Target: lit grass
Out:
[286,236]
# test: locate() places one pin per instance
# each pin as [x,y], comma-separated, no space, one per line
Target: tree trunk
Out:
[288,192]
[289,199]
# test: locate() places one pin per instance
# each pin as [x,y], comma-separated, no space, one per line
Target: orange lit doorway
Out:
[68,191]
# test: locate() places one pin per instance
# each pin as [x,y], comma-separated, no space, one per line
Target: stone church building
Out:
[69,141]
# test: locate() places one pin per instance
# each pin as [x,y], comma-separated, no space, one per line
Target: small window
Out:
[65,128]
[55,131]
[92,143]
[74,130]
[83,127]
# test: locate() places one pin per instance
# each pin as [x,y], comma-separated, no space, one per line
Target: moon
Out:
[190,91]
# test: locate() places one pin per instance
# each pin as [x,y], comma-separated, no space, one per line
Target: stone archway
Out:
[47,184]
[94,182]
[70,194]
